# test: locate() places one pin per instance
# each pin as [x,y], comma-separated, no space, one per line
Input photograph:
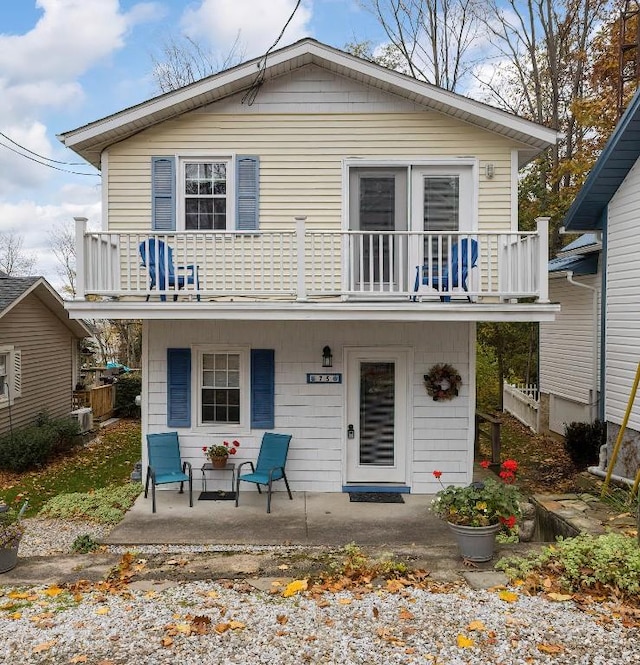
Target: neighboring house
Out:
[305,192]
[569,358]
[38,352]
[609,205]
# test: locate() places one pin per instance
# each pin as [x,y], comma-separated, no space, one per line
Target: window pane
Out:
[208,360]
[233,379]
[221,414]
[234,414]
[221,361]
[234,361]
[208,379]
[208,413]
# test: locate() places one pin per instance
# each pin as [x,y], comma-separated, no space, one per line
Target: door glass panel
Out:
[441,211]
[377,413]
[377,212]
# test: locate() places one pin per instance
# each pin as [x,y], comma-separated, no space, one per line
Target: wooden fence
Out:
[100,400]
[522,402]
[488,427]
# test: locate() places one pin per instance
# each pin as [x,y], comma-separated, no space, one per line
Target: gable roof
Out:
[91,139]
[15,289]
[616,160]
[579,256]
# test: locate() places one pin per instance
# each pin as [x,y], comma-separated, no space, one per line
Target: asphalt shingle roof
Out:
[12,288]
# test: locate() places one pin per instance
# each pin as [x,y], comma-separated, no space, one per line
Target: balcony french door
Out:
[377,202]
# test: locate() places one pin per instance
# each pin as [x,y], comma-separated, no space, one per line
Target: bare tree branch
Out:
[14,260]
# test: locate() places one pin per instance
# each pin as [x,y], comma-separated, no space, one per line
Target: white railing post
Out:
[543,259]
[81,228]
[300,253]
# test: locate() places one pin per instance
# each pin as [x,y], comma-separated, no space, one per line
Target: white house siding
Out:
[567,348]
[623,299]
[301,135]
[314,413]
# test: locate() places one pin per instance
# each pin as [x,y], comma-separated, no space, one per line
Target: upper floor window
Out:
[205,195]
[4,376]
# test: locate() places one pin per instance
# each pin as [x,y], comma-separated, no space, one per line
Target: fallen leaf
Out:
[166,641]
[236,625]
[508,596]
[53,591]
[295,587]
[212,594]
[559,596]
[44,646]
[464,642]
[344,601]
[282,619]
[405,615]
[376,612]
[103,610]
[15,615]
[221,628]
[79,659]
[18,595]
[476,625]
[283,566]
[184,628]
[550,648]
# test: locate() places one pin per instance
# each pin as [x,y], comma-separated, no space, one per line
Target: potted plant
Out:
[11,532]
[475,513]
[218,454]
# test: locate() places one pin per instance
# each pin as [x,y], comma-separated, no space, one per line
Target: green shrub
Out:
[585,561]
[84,544]
[582,441]
[127,388]
[106,505]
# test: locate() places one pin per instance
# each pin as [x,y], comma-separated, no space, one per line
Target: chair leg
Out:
[181,488]
[258,486]
[146,486]
[237,489]
[286,482]
[268,497]
[190,491]
[153,497]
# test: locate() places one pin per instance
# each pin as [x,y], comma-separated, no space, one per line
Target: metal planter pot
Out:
[476,543]
[8,558]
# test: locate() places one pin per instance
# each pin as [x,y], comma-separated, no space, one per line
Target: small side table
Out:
[207,466]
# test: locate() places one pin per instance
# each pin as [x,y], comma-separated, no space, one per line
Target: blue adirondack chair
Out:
[165,465]
[158,259]
[269,467]
[462,260]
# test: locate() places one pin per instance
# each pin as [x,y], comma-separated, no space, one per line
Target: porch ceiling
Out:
[395,311]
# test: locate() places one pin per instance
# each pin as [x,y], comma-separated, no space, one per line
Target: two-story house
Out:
[270,224]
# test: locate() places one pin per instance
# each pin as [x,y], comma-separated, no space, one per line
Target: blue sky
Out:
[64,63]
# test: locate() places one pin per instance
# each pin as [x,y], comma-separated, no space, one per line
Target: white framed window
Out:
[206,193]
[10,375]
[223,388]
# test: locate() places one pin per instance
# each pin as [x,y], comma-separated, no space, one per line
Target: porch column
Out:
[81,228]
[543,259]
[301,259]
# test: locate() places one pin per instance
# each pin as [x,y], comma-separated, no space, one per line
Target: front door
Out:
[377,415]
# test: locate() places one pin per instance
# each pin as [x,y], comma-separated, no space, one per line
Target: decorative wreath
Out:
[442,382]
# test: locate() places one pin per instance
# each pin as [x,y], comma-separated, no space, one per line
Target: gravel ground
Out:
[204,623]
[219,623]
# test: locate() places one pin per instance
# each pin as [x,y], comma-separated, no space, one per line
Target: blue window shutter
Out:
[163,192]
[262,388]
[247,190]
[179,387]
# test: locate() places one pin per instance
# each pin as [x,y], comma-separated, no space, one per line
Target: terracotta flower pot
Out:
[219,462]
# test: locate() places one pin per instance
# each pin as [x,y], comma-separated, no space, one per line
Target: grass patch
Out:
[106,461]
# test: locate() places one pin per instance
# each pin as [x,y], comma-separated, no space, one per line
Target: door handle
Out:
[351,433]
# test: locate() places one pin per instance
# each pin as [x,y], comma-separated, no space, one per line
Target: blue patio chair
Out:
[165,465]
[269,467]
[459,273]
[162,272]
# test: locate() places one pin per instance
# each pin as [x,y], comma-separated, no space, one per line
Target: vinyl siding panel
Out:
[47,347]
[623,299]
[567,344]
[440,432]
[301,143]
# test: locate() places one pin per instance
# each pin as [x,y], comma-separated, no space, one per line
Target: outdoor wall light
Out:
[489,170]
[327,358]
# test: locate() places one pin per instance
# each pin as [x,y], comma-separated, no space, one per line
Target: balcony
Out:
[303,264]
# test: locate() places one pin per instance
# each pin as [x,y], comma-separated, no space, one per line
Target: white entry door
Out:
[377,415]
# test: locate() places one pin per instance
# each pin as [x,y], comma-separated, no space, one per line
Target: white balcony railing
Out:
[307,264]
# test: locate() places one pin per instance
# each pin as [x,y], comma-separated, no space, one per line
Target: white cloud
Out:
[258,22]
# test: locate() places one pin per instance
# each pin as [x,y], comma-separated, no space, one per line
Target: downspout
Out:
[594,363]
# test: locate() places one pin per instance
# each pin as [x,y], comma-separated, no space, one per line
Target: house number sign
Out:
[324,378]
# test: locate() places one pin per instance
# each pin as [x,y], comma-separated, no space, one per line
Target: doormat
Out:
[217,496]
[376,497]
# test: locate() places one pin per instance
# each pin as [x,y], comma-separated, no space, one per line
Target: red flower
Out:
[507,476]
[204,449]
[510,465]
[437,474]
[509,521]
[232,451]
[485,464]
